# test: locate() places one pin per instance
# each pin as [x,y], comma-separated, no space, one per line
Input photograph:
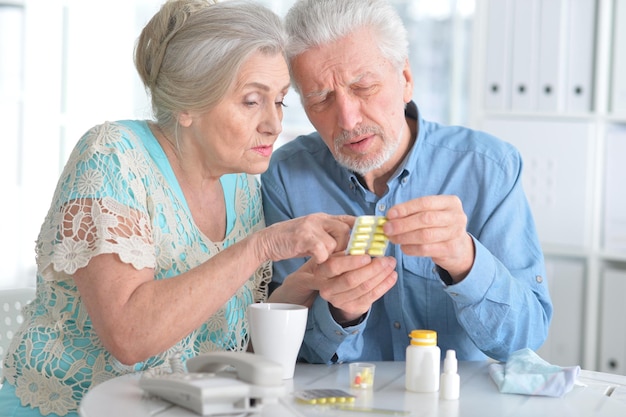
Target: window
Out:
[11,86]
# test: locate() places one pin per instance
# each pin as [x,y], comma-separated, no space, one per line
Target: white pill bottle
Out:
[423,362]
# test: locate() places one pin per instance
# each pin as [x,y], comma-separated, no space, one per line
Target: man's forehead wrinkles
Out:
[326,91]
[320,93]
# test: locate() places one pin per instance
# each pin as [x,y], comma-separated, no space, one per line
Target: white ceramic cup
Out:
[277,331]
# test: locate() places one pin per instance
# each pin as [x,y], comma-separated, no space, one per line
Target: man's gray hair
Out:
[311,23]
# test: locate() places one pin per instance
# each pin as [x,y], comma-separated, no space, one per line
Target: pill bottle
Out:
[450,380]
[423,362]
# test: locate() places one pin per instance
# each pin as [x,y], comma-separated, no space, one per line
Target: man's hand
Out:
[435,227]
[349,283]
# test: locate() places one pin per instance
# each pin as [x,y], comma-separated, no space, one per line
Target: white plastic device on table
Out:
[220,383]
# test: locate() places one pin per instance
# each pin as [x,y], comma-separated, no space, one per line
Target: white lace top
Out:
[118,194]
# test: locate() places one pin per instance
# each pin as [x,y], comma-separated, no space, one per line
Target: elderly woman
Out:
[155,241]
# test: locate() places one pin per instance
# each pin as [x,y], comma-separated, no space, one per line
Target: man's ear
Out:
[408,81]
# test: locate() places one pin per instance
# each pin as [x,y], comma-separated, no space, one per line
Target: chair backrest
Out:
[11,303]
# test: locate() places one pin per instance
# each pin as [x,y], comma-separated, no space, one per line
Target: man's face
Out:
[355,99]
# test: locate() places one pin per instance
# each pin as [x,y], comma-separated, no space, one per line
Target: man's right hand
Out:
[351,284]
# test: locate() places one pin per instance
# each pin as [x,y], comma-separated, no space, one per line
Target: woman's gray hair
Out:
[190,52]
[311,23]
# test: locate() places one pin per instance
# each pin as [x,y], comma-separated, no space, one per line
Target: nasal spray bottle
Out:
[450,380]
[423,362]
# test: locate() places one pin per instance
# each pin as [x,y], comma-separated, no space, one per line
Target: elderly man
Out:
[464,258]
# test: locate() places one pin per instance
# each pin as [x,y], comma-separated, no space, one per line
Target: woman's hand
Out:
[137,316]
[317,236]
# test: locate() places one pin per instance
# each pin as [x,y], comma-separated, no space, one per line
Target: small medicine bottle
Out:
[423,362]
[450,380]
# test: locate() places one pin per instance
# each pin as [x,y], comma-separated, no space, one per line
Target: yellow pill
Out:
[364,229]
[367,377]
[357,251]
[376,252]
[359,244]
[304,401]
[366,220]
[377,245]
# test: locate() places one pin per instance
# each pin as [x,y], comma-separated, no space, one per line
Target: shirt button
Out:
[338,333]
[404,180]
[382,207]
[396,325]
[454,294]
[355,332]
[539,279]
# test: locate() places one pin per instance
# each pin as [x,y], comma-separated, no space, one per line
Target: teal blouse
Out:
[118,194]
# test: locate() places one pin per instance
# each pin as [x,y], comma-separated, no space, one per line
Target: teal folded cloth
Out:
[526,373]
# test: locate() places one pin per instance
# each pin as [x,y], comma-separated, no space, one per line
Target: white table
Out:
[603,396]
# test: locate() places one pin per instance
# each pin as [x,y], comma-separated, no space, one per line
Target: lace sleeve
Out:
[99,206]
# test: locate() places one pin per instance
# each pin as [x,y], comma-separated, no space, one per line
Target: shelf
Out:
[592,117]
[540,115]
[566,153]
[616,118]
[613,257]
[565,251]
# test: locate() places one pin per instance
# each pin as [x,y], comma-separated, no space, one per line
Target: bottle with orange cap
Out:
[423,362]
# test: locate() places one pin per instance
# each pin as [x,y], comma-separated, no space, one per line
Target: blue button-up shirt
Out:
[501,306]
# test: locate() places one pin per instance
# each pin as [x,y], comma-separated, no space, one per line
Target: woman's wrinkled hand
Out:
[316,235]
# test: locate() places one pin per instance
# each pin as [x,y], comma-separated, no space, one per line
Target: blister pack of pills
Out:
[367,236]
[324,396]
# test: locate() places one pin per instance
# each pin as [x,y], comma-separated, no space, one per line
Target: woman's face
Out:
[238,134]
